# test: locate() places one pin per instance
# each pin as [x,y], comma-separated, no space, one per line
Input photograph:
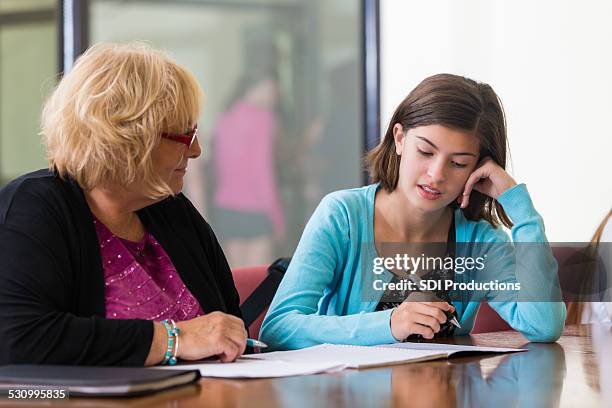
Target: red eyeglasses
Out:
[185,138]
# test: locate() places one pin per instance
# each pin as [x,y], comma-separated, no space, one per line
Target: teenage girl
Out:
[440,177]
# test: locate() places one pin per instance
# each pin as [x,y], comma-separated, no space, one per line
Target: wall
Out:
[550,63]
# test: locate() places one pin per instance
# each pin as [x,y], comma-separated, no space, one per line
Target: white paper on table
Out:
[251,368]
[351,356]
[450,349]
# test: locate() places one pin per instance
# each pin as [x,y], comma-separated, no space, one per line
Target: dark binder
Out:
[93,381]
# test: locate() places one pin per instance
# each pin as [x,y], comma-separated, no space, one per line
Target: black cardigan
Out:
[52,282]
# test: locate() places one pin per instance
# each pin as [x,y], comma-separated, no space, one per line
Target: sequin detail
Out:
[140,281]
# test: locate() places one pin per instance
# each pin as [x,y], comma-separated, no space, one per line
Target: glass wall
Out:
[282,120]
[28,71]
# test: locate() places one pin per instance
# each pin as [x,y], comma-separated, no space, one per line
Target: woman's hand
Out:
[489,178]
[422,318]
[214,334]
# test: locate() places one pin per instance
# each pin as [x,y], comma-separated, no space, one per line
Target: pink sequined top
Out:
[140,281]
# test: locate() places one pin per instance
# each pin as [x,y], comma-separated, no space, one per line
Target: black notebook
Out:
[93,381]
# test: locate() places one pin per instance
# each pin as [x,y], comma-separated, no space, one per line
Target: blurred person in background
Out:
[247,207]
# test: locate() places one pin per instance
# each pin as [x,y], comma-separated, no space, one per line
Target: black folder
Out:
[93,381]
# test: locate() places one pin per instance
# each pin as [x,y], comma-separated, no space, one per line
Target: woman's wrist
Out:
[158,345]
[180,326]
[170,357]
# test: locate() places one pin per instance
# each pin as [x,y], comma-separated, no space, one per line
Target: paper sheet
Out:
[326,358]
[449,348]
[373,356]
[351,356]
[251,368]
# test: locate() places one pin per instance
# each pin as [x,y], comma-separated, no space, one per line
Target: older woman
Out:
[104,262]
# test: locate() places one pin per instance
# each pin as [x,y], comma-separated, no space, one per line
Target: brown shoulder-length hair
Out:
[458,103]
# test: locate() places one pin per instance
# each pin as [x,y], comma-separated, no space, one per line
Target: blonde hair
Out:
[105,117]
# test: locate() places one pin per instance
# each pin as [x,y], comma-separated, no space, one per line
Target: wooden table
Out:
[575,371]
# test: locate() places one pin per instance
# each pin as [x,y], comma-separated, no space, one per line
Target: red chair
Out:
[246,280]
[487,320]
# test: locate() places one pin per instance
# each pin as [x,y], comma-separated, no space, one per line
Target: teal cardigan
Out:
[325,298]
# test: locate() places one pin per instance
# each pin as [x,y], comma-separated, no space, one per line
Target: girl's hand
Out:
[489,178]
[422,318]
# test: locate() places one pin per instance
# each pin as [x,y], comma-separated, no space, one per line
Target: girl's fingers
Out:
[440,305]
[424,331]
[428,321]
[478,174]
[432,311]
[474,177]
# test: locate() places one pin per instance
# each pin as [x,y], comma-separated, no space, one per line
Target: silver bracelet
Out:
[176,339]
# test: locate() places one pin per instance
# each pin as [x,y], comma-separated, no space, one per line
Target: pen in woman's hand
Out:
[256,343]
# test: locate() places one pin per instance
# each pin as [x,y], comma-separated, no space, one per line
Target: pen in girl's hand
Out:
[451,318]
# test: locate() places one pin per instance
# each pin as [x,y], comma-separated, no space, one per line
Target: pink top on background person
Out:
[140,281]
[245,163]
